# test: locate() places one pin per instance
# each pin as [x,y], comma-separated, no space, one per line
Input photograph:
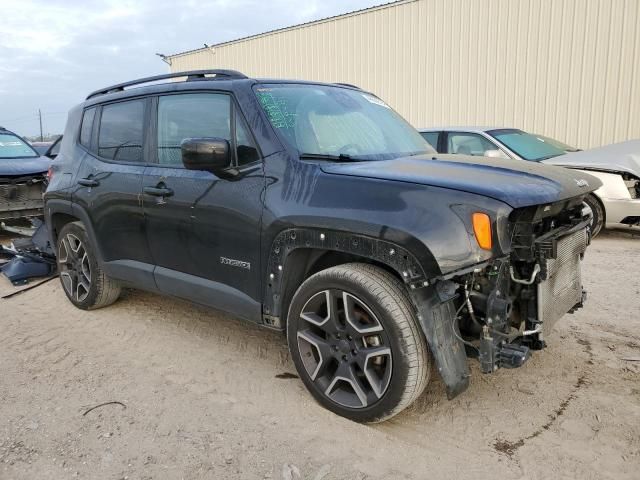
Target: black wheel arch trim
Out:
[398,258]
[435,309]
[67,207]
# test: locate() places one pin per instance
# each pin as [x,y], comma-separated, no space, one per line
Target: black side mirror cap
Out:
[210,154]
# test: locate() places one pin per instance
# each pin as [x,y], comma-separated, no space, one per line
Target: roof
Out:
[292,27]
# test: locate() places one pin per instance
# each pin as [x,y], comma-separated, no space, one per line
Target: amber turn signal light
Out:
[482,230]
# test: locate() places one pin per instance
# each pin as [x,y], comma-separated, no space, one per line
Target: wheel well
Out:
[604,212]
[58,221]
[305,262]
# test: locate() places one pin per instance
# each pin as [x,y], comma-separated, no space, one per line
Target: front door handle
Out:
[88,182]
[158,191]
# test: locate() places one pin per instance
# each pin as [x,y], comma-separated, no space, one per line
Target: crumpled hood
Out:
[517,183]
[16,167]
[618,157]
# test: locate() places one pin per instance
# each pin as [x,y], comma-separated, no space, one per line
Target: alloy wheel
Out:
[344,348]
[74,266]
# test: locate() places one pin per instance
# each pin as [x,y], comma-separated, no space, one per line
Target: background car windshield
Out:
[558,143]
[12,147]
[526,145]
[325,120]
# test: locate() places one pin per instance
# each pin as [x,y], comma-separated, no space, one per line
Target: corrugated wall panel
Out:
[569,69]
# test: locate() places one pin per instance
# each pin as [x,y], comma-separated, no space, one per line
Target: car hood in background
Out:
[14,167]
[618,157]
[516,183]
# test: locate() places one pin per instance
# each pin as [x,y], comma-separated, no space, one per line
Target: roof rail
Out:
[347,85]
[192,76]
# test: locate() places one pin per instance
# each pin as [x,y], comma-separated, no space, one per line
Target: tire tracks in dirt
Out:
[510,447]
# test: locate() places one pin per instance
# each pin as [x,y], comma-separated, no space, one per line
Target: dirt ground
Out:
[202,395]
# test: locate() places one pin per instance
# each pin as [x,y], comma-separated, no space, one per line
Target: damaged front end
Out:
[21,196]
[502,310]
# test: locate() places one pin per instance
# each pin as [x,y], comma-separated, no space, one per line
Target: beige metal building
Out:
[569,69]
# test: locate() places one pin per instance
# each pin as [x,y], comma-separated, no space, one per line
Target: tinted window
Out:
[431,137]
[121,131]
[246,150]
[468,144]
[190,116]
[87,125]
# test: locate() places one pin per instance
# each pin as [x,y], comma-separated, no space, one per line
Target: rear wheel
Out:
[598,214]
[356,342]
[84,282]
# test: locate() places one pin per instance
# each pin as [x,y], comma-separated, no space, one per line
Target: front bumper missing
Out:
[554,289]
[21,198]
[561,291]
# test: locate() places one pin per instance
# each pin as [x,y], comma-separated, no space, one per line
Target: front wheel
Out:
[356,343]
[598,214]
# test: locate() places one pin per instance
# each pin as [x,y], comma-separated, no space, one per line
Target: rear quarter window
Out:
[87,127]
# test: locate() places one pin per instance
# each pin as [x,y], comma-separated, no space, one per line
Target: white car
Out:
[615,205]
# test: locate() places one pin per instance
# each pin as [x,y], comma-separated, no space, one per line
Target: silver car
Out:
[615,205]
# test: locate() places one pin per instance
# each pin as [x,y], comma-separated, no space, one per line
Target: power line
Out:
[34,116]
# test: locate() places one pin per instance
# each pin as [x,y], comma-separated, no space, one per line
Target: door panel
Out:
[169,219]
[109,191]
[204,233]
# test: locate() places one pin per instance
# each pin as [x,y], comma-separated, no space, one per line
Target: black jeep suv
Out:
[317,210]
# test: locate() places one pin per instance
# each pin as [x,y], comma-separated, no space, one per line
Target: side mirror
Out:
[209,154]
[494,154]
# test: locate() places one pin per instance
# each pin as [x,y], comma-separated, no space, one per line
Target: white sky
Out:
[54,52]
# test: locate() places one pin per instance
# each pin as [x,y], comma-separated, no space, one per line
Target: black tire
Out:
[387,381]
[598,214]
[83,281]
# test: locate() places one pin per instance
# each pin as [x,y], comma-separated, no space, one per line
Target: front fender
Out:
[435,309]
[398,258]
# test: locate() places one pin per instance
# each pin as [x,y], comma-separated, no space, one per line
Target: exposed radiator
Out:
[562,290]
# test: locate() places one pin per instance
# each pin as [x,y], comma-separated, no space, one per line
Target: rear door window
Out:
[121,135]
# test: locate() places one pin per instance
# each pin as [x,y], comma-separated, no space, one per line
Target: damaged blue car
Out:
[23,177]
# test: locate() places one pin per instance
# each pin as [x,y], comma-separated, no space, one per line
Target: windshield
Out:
[13,147]
[527,145]
[338,122]
[558,143]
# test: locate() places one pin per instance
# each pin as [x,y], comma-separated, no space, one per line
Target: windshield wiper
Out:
[343,157]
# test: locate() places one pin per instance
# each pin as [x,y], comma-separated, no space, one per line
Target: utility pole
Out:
[40,116]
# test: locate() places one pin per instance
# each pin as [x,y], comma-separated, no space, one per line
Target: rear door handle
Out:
[88,182]
[158,191]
